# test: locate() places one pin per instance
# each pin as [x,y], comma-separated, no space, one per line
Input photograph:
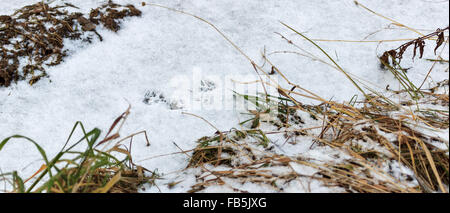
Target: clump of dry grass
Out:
[36,34]
[90,171]
[374,121]
[345,128]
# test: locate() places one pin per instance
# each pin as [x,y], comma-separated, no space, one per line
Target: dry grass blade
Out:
[392,20]
[110,184]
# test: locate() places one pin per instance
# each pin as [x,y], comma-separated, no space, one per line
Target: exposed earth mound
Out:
[33,37]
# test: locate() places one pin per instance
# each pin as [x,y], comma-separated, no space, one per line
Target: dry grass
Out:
[376,119]
[345,127]
[90,171]
[32,38]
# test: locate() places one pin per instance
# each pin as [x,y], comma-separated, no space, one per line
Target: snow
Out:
[171,54]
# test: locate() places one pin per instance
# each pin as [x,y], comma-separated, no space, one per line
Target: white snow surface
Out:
[96,82]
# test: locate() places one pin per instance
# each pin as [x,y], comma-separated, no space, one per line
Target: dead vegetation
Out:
[33,37]
[396,55]
[110,13]
[107,170]
[346,128]
[397,125]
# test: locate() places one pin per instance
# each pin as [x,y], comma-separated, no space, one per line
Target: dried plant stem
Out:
[392,20]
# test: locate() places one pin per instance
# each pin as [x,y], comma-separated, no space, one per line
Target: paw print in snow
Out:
[154,97]
[206,85]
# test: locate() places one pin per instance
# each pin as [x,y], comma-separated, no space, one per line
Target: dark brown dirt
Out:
[33,37]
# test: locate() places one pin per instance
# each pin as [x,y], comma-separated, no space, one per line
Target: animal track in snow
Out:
[154,97]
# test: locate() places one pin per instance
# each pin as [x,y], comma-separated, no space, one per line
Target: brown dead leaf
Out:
[439,41]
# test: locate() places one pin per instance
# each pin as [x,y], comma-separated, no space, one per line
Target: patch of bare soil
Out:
[33,37]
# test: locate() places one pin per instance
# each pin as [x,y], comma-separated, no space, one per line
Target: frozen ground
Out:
[157,51]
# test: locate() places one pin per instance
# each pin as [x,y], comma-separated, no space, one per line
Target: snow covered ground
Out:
[190,64]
